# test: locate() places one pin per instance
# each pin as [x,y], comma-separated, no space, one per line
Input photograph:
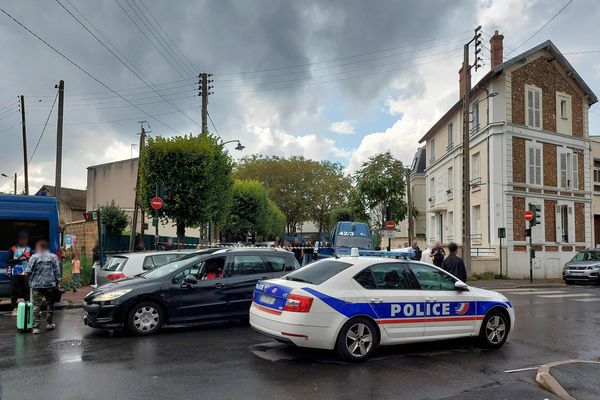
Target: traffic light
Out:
[532,253]
[89,216]
[527,232]
[537,214]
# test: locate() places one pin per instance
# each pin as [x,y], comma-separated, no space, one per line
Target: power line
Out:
[43,130]
[543,26]
[582,52]
[213,125]
[12,127]
[139,75]
[82,69]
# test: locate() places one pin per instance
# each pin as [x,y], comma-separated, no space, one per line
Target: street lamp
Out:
[239,146]
[14,180]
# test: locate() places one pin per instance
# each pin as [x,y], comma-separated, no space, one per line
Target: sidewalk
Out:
[69,300]
[495,284]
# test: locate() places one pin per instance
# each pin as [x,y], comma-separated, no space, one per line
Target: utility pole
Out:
[204,92]
[59,140]
[25,163]
[15,183]
[466,147]
[409,209]
[136,204]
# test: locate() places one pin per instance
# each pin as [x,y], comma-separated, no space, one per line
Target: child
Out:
[75,271]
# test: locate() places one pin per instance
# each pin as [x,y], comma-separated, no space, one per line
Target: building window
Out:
[476,224]
[432,192]
[564,107]
[475,169]
[563,216]
[450,182]
[534,165]
[432,150]
[533,107]
[563,113]
[475,116]
[568,167]
[596,175]
[450,225]
[450,142]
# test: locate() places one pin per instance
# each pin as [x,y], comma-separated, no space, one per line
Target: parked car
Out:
[126,265]
[36,215]
[195,288]
[584,267]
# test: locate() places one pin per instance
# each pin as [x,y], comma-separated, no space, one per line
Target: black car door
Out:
[243,271]
[205,299]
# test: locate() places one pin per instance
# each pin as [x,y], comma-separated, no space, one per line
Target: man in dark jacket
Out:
[417,250]
[18,255]
[438,254]
[454,264]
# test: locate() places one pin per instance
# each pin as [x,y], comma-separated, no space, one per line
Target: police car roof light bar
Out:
[355,252]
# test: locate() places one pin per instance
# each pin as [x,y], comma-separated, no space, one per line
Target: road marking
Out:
[588,299]
[546,292]
[520,290]
[510,371]
[552,296]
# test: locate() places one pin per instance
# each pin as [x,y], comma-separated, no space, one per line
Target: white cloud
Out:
[342,127]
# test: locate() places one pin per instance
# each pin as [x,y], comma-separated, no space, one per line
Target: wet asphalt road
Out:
[230,361]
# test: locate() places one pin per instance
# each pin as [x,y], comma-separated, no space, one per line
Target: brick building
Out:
[529,145]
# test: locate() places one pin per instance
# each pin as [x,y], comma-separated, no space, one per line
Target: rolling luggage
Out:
[25,315]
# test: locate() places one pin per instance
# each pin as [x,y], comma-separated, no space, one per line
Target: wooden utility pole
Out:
[25,162]
[59,140]
[466,147]
[136,204]
[411,231]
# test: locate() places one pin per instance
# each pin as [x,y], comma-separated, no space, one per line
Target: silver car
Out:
[584,267]
[120,266]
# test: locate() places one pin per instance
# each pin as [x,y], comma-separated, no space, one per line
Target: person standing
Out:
[18,256]
[75,271]
[170,245]
[297,250]
[438,254]
[308,253]
[44,278]
[454,264]
[417,250]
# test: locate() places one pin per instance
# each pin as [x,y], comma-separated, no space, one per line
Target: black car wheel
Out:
[357,340]
[145,318]
[494,329]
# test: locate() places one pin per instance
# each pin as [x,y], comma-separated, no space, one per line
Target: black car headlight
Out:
[108,296]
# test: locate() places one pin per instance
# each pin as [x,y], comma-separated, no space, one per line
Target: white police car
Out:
[354,304]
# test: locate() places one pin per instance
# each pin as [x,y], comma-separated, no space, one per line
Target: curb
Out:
[67,306]
[548,382]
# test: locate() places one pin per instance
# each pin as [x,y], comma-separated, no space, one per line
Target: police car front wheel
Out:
[357,340]
[494,329]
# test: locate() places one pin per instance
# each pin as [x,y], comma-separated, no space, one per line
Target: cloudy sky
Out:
[331,79]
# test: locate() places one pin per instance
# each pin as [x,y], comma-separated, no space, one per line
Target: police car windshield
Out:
[318,272]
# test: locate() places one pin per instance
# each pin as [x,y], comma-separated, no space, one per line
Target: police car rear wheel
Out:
[494,329]
[357,340]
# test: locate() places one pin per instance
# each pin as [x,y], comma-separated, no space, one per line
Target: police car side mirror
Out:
[461,286]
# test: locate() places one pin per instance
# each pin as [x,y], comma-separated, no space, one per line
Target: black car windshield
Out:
[318,272]
[168,269]
[587,256]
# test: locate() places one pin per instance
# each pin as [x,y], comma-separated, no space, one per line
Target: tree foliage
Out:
[195,172]
[115,219]
[380,183]
[302,189]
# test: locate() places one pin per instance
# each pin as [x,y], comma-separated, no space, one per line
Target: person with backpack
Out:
[43,272]
[18,255]
[438,254]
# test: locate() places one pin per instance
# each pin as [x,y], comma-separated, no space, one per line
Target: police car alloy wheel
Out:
[494,329]
[145,318]
[357,339]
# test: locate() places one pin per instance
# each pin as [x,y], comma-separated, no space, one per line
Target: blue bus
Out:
[346,235]
[36,215]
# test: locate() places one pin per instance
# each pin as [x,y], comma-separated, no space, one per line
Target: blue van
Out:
[36,215]
[346,235]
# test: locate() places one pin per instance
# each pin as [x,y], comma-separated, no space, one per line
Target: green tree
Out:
[275,223]
[115,219]
[248,211]
[195,172]
[380,183]
[329,188]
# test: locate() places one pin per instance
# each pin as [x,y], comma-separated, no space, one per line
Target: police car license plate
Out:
[266,299]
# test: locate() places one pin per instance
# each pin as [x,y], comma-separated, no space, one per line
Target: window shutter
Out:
[563,170]
[575,177]
[536,98]
[538,166]
[558,223]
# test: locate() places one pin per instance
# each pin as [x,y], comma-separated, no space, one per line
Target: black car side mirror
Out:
[190,280]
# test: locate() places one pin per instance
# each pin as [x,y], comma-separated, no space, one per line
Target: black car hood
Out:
[128,283]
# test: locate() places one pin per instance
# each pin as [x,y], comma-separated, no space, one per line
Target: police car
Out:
[355,304]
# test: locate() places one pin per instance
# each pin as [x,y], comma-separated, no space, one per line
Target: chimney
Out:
[497,49]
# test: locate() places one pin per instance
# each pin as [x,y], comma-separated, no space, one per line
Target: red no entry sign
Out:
[390,225]
[156,203]
[529,215]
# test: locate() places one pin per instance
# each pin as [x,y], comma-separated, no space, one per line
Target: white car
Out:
[355,304]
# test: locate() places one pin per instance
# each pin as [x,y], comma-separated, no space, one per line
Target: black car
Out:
[195,288]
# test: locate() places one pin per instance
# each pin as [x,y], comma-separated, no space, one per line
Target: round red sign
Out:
[390,225]
[156,203]
[529,215]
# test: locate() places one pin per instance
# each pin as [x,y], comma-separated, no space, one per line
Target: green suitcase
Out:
[24,316]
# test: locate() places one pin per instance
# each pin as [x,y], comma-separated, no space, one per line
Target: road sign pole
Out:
[530,256]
